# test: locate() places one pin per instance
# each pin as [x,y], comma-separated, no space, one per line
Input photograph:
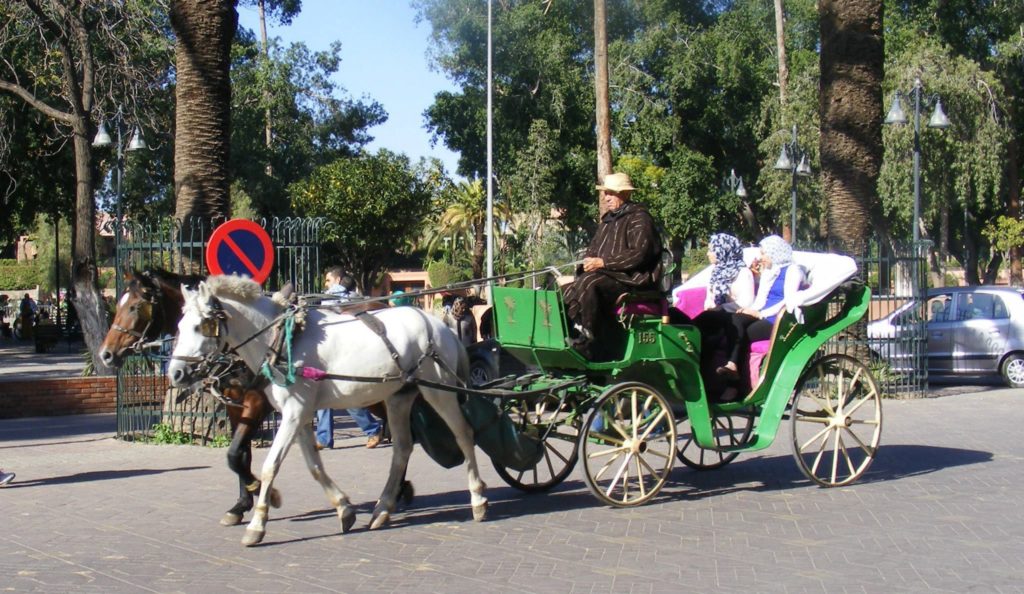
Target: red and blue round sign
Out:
[242,247]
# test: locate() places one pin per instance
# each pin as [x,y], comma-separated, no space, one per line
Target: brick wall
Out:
[58,396]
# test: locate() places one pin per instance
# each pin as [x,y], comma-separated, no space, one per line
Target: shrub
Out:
[16,276]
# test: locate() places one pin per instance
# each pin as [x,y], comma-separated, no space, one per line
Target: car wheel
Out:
[1013,370]
[480,372]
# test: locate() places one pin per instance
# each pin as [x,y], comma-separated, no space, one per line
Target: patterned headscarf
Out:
[778,249]
[728,253]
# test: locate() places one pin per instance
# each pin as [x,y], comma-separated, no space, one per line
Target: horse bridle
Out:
[143,308]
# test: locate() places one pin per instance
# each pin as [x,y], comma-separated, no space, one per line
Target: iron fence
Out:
[144,400]
[897,277]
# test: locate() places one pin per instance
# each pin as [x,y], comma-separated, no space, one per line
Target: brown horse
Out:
[151,308]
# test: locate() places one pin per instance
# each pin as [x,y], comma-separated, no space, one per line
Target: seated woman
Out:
[731,288]
[780,277]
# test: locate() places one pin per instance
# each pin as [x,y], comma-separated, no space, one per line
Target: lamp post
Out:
[793,158]
[103,140]
[938,120]
[734,184]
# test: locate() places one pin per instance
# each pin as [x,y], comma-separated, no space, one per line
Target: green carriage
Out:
[629,419]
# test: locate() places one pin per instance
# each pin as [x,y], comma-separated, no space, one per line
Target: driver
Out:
[622,257]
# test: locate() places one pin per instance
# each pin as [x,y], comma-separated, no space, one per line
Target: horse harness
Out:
[284,335]
[143,311]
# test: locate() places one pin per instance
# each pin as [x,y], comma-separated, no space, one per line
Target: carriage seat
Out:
[646,304]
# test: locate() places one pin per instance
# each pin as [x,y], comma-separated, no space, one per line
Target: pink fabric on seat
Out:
[690,301]
[758,351]
[645,308]
[761,346]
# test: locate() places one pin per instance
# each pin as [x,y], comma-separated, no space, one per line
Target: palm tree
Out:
[851,116]
[466,218]
[204,31]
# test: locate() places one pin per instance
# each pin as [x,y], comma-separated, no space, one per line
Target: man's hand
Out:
[592,264]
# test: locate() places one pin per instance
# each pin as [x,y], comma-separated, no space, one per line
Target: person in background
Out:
[342,287]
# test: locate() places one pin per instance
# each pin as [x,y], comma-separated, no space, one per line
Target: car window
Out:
[980,306]
[999,309]
[938,308]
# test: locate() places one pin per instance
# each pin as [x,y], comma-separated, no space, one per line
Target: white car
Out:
[968,331]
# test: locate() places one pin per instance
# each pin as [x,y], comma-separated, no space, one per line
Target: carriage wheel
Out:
[836,420]
[537,417]
[628,444]
[729,430]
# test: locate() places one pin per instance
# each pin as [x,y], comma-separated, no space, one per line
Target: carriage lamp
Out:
[896,116]
[793,159]
[103,140]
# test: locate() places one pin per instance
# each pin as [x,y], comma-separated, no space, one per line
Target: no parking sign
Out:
[242,247]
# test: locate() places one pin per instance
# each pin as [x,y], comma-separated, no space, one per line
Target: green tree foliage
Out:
[314,122]
[377,202]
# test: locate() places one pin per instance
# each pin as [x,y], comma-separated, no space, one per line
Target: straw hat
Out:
[616,182]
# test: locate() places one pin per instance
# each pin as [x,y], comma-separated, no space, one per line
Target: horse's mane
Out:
[239,288]
[173,279]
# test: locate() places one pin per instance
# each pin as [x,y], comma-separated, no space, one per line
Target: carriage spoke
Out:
[635,419]
[846,454]
[821,452]
[609,451]
[867,449]
[550,449]
[640,476]
[619,476]
[607,464]
[640,460]
[654,424]
[861,402]
[835,456]
[803,417]
[815,438]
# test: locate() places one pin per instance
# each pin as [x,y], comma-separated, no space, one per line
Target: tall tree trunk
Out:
[87,299]
[851,116]
[780,48]
[268,128]
[204,30]
[604,134]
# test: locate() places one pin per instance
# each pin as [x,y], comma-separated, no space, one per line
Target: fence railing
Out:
[144,400]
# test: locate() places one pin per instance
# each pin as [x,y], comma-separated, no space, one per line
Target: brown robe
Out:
[630,246]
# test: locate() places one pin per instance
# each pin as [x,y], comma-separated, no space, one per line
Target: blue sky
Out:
[383,57]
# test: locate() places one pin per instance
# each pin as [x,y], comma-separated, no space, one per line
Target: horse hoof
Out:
[275,498]
[348,518]
[406,494]
[479,512]
[252,538]
[231,519]
[380,520]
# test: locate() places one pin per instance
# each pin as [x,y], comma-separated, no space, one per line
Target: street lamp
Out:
[735,184]
[938,120]
[793,158]
[103,140]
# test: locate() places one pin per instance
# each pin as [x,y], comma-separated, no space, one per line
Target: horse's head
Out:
[199,332]
[137,318]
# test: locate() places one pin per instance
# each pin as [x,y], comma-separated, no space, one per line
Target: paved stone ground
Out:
[938,511]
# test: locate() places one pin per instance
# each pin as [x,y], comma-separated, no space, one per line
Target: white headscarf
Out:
[778,250]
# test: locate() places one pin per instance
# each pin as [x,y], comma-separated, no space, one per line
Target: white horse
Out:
[229,310]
